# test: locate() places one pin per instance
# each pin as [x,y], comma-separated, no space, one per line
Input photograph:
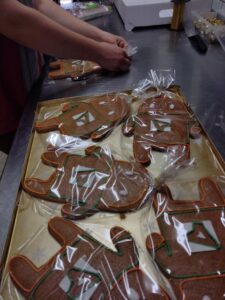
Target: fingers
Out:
[125,62]
[121,43]
[125,65]
[113,58]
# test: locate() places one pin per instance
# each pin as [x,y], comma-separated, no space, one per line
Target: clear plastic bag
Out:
[75,69]
[211,26]
[140,232]
[86,269]
[160,80]
[186,237]
[162,125]
[95,118]
[92,182]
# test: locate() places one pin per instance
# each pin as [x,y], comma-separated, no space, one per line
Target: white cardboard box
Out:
[139,13]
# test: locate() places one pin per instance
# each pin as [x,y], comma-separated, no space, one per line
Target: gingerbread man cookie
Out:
[162,124]
[94,119]
[91,183]
[85,269]
[64,68]
[190,250]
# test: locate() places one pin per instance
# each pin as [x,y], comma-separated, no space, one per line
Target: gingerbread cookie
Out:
[85,269]
[64,68]
[94,119]
[161,124]
[91,183]
[210,196]
[191,246]
[206,288]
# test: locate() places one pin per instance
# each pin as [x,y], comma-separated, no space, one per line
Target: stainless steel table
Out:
[201,77]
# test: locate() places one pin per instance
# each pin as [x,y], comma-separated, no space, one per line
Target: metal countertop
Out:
[201,78]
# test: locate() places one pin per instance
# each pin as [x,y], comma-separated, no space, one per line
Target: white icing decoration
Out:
[112,112]
[65,284]
[91,118]
[59,266]
[70,252]
[76,117]
[123,193]
[201,235]
[80,123]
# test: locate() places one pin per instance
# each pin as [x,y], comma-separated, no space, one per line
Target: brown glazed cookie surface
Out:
[190,249]
[85,269]
[91,183]
[206,288]
[209,192]
[64,68]
[162,124]
[94,119]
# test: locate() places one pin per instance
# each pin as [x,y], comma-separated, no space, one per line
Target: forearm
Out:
[32,29]
[56,13]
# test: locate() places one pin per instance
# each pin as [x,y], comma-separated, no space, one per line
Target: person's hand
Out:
[113,39]
[112,57]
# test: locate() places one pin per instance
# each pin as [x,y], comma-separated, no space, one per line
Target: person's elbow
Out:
[9,16]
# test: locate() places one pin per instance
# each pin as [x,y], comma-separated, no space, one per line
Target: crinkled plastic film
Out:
[71,68]
[95,118]
[80,70]
[185,223]
[90,182]
[89,263]
[162,127]
[186,235]
[210,25]
[95,223]
[160,80]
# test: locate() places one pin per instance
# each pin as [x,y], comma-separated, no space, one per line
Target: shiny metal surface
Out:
[201,77]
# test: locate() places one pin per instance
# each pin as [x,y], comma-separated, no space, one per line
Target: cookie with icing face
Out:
[161,124]
[94,119]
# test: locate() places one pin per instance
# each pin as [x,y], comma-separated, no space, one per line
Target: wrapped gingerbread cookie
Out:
[84,267]
[162,125]
[95,118]
[185,229]
[89,180]
[71,68]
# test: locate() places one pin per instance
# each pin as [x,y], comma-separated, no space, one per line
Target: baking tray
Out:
[31,240]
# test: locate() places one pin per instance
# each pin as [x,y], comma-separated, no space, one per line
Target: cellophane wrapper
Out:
[97,221]
[185,223]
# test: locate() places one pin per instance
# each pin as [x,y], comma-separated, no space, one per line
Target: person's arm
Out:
[31,28]
[55,12]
